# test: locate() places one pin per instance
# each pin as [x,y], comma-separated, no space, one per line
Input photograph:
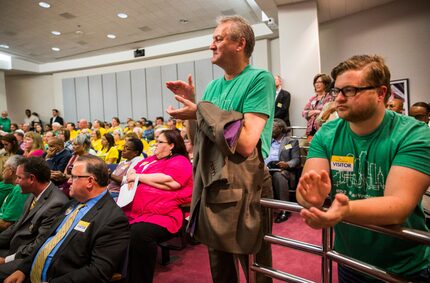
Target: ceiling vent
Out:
[145,28]
[67,15]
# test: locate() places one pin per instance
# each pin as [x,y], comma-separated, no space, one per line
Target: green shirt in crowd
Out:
[252,91]
[359,166]
[13,205]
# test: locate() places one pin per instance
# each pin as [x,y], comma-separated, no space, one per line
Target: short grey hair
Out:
[83,139]
[241,28]
[14,161]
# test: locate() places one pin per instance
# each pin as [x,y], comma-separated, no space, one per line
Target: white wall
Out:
[3,101]
[398,31]
[33,92]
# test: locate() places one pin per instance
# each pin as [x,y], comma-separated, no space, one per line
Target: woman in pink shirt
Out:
[33,144]
[165,182]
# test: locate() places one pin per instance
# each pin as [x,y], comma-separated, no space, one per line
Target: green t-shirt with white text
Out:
[359,166]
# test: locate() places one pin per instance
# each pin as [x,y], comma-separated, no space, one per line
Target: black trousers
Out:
[7,269]
[143,250]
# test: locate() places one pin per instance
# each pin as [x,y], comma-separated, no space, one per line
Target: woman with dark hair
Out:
[13,127]
[131,154]
[108,153]
[165,182]
[11,145]
[322,84]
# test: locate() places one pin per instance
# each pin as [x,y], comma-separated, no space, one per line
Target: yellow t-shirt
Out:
[120,144]
[106,155]
[97,144]
[73,134]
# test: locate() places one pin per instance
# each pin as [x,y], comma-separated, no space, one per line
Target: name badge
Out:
[279,105]
[342,163]
[82,226]
[288,146]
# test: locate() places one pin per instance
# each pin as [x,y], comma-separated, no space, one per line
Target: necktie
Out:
[33,204]
[39,261]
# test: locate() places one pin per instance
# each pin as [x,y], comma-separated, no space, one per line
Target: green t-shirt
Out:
[252,91]
[5,190]
[5,124]
[13,205]
[359,166]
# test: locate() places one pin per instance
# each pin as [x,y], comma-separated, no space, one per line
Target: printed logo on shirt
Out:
[288,146]
[279,105]
[82,226]
[342,163]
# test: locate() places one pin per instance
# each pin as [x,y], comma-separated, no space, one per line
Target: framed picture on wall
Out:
[400,90]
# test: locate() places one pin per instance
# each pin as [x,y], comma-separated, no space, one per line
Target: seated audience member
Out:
[373,164]
[88,242]
[115,125]
[285,156]
[33,145]
[135,134]
[72,129]
[189,147]
[57,157]
[420,111]
[19,135]
[11,145]
[108,153]
[26,128]
[165,182]
[130,126]
[30,119]
[11,199]
[96,140]
[159,122]
[327,114]
[99,125]
[148,133]
[13,127]
[46,137]
[81,146]
[38,129]
[132,154]
[64,135]
[56,127]
[47,128]
[84,127]
[322,83]
[118,137]
[41,209]
[396,105]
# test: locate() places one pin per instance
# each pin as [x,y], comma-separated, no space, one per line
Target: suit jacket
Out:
[282,106]
[225,209]
[289,151]
[30,230]
[93,255]
[58,119]
[59,161]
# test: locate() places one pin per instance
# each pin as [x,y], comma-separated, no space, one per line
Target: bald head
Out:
[395,105]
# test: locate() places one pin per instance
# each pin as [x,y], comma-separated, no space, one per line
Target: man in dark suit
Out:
[282,102]
[40,210]
[57,157]
[283,160]
[89,241]
[56,117]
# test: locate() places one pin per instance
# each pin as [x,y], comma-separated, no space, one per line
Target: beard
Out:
[356,114]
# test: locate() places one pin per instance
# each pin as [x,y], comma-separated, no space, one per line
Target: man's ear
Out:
[241,45]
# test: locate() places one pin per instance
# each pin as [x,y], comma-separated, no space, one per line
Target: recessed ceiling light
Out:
[183,21]
[111,36]
[54,32]
[44,5]
[122,15]
[55,49]
[4,46]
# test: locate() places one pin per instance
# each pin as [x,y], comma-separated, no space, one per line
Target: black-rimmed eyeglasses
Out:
[74,177]
[349,91]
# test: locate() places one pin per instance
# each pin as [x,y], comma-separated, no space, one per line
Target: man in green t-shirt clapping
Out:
[374,164]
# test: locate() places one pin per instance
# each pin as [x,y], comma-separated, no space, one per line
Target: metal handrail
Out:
[326,251]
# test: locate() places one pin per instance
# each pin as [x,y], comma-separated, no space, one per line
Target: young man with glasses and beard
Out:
[373,163]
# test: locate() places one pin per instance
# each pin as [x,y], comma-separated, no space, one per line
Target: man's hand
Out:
[16,277]
[282,165]
[188,112]
[314,188]
[2,261]
[183,89]
[318,219]
[57,175]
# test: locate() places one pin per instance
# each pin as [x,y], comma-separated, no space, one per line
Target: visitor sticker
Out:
[342,163]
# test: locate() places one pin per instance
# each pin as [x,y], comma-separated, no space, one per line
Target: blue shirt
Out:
[88,205]
[274,152]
